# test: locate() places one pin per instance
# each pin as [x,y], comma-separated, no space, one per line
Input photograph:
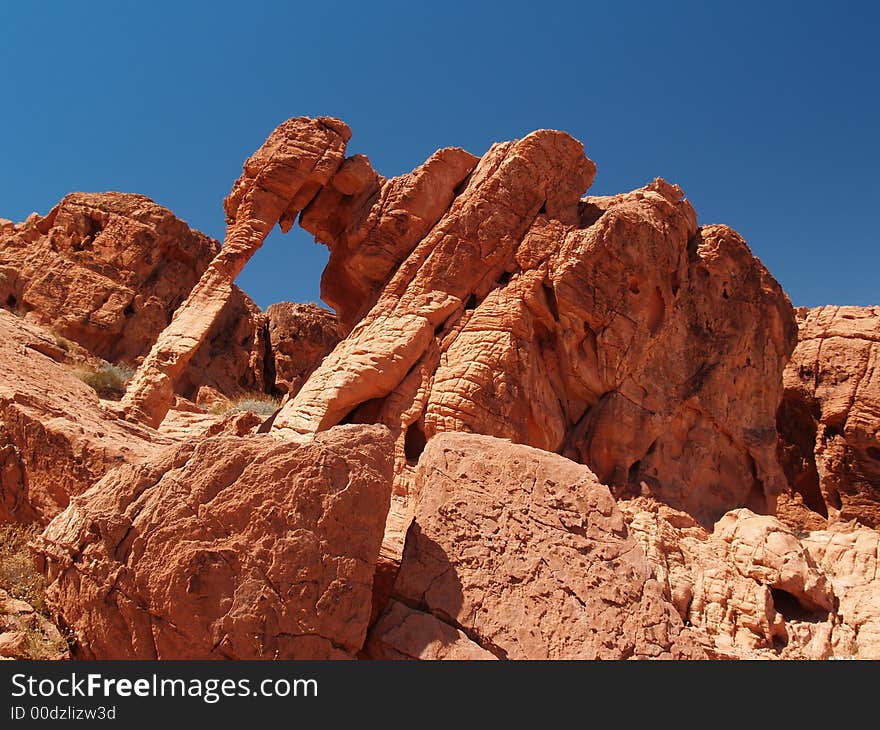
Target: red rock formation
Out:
[371,224]
[757,590]
[525,555]
[240,547]
[105,270]
[612,330]
[850,557]
[54,441]
[235,356]
[300,336]
[496,322]
[829,420]
[278,181]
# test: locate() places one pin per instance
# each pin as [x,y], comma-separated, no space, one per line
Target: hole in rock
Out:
[589,213]
[632,475]
[634,285]
[724,293]
[830,432]
[550,295]
[129,310]
[504,279]
[656,310]
[366,412]
[471,302]
[11,301]
[873,453]
[414,443]
[792,610]
[286,268]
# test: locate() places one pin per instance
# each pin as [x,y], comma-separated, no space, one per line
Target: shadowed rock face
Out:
[520,554]
[829,420]
[300,336]
[241,547]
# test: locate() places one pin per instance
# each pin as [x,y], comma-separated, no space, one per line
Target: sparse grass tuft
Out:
[107,380]
[18,577]
[259,403]
[62,342]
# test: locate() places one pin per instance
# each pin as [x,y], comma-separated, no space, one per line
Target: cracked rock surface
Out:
[757,589]
[524,555]
[239,547]
[829,419]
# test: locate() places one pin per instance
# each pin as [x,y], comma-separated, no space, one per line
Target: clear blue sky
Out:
[766,113]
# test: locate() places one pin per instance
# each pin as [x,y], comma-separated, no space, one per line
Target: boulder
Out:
[239,547]
[525,555]
[300,336]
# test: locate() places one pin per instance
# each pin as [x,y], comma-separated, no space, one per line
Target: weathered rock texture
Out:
[235,357]
[108,270]
[56,438]
[105,270]
[850,556]
[522,554]
[278,181]
[230,546]
[26,634]
[756,589]
[300,336]
[612,330]
[829,420]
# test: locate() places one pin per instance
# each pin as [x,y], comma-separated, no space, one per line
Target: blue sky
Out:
[766,113]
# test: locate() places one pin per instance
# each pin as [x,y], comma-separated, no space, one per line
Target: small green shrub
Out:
[259,403]
[107,380]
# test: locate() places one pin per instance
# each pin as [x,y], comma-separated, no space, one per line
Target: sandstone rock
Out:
[405,633]
[278,181]
[527,555]
[829,420]
[55,441]
[235,357]
[850,556]
[229,546]
[300,336]
[612,330]
[25,634]
[371,224]
[751,586]
[105,270]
